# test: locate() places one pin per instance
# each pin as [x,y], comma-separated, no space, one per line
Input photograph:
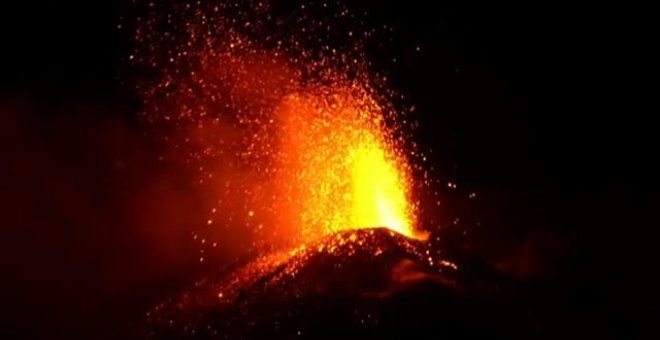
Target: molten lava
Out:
[299,145]
[292,133]
[338,169]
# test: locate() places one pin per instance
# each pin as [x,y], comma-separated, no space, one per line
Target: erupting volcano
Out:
[296,138]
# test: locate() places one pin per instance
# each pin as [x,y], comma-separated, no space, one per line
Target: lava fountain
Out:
[294,135]
[338,167]
[301,149]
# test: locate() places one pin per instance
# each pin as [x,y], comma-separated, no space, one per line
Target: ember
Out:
[297,142]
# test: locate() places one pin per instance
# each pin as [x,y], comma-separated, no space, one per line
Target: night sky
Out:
[532,108]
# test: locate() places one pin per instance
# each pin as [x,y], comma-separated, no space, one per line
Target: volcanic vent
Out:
[350,280]
[309,164]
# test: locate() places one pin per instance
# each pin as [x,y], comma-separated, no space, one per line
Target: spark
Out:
[292,125]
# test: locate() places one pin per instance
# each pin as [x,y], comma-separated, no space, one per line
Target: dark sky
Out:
[532,107]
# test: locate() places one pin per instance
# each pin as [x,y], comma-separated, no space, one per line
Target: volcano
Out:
[369,283]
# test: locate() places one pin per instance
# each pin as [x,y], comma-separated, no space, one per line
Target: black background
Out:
[534,108]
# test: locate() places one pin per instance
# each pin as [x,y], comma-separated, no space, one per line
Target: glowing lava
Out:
[299,145]
[338,168]
[294,137]
[379,196]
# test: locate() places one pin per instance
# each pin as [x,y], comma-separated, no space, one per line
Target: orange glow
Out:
[299,146]
[338,166]
[294,139]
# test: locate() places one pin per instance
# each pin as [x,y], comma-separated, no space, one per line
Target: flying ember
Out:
[292,133]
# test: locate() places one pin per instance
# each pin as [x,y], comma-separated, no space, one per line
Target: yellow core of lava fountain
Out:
[379,196]
[339,168]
